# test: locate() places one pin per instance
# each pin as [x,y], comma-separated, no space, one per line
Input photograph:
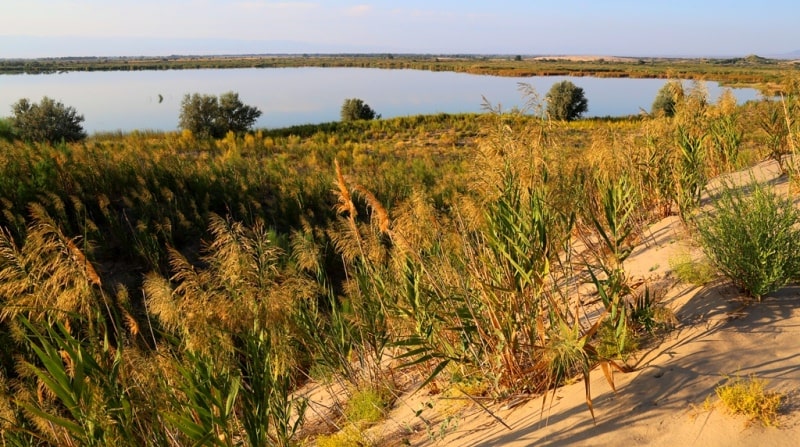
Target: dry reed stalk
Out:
[345,201]
[379,212]
[131,323]
[80,259]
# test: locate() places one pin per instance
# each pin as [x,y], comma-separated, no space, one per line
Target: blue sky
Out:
[54,28]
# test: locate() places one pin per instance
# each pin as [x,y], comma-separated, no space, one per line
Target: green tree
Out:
[566,101]
[666,99]
[49,121]
[234,115]
[355,109]
[209,116]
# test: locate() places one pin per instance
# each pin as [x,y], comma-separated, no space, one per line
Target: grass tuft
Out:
[366,406]
[692,271]
[749,397]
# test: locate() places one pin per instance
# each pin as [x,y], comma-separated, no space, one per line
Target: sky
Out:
[63,28]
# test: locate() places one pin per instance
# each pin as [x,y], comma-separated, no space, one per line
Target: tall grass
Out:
[194,284]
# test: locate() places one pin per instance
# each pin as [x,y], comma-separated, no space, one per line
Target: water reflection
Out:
[288,96]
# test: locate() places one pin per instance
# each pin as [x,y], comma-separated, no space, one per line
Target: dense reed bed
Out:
[159,289]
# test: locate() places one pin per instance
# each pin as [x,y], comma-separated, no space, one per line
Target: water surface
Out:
[288,96]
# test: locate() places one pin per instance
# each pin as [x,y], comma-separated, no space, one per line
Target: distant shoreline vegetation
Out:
[749,71]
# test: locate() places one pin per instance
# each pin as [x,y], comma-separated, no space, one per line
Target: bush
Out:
[209,116]
[566,101]
[48,121]
[355,109]
[750,236]
[666,99]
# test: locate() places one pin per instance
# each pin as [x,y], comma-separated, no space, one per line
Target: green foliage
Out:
[209,116]
[366,406]
[609,344]
[49,121]
[7,129]
[666,99]
[688,270]
[750,398]
[566,101]
[210,390]
[96,409]
[691,173]
[354,109]
[751,236]
[272,414]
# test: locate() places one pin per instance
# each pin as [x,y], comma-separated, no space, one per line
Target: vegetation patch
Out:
[350,436]
[751,236]
[692,271]
[367,406]
[750,398]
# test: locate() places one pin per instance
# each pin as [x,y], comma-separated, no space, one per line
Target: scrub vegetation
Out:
[177,289]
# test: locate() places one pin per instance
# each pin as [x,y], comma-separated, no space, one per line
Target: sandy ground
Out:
[661,403]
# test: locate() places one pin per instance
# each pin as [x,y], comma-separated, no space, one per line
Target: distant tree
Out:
[355,109]
[49,121]
[566,101]
[209,116]
[199,114]
[518,57]
[234,115]
[666,98]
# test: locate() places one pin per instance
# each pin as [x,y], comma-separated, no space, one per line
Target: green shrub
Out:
[49,120]
[750,237]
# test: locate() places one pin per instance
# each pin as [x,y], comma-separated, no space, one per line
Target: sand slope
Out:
[662,402]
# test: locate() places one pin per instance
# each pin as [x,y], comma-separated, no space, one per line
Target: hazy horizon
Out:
[681,28]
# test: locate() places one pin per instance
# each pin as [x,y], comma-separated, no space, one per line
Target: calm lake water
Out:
[288,96]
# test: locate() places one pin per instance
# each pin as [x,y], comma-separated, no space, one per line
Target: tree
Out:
[666,99]
[209,116]
[234,115]
[355,109]
[566,101]
[49,121]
